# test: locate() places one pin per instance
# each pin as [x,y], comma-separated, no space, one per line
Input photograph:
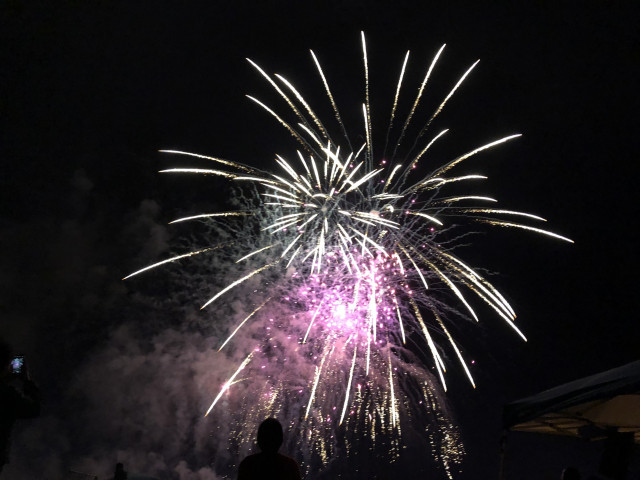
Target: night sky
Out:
[90,91]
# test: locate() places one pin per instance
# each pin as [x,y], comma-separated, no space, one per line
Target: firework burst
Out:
[359,248]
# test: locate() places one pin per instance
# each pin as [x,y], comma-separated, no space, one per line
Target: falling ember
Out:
[365,259]
[229,382]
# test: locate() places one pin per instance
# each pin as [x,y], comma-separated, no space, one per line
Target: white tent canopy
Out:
[588,408]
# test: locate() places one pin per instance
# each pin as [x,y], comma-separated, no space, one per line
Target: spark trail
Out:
[361,249]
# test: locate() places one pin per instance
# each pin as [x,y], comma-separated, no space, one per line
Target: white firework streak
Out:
[364,254]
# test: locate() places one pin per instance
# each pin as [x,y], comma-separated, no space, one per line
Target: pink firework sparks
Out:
[361,253]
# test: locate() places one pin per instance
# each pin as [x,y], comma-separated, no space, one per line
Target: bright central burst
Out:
[363,249]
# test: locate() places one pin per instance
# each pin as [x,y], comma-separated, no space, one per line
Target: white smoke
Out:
[128,369]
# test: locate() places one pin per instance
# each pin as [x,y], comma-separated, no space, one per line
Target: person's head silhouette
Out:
[270,436]
[120,473]
[570,473]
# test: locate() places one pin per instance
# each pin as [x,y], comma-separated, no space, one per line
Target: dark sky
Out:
[89,91]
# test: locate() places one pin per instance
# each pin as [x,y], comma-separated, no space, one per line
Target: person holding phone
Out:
[19,397]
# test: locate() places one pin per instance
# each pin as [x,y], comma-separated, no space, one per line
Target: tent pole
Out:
[503,455]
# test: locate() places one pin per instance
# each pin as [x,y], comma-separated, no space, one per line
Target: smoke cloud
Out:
[128,369]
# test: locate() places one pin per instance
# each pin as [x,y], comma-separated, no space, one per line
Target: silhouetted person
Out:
[19,398]
[269,464]
[618,450]
[120,474]
[570,473]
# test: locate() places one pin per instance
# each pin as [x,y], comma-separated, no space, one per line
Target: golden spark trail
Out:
[237,282]
[432,347]
[455,347]
[453,288]
[497,302]
[255,252]
[417,100]
[282,122]
[504,212]
[467,197]
[425,149]
[404,340]
[239,166]
[453,90]
[455,161]
[424,215]
[395,103]
[305,104]
[315,385]
[394,413]
[304,340]
[243,322]
[367,108]
[346,394]
[172,259]
[333,103]
[391,175]
[203,171]
[228,383]
[209,215]
[524,227]
[277,88]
